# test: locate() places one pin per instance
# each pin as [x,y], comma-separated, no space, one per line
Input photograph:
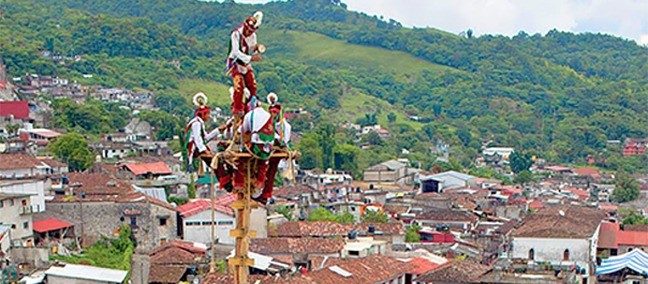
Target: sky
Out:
[624,18]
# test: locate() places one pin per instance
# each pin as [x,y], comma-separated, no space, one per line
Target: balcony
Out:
[25,210]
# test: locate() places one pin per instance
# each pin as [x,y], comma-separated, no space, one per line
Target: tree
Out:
[72,148]
[391,117]
[373,138]
[311,151]
[627,188]
[635,219]
[321,214]
[285,211]
[345,158]
[523,177]
[520,162]
[411,233]
[344,218]
[373,216]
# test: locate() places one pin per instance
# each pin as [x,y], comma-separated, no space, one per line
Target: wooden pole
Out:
[240,263]
[212,263]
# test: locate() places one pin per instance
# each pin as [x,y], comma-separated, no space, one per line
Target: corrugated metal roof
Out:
[88,273]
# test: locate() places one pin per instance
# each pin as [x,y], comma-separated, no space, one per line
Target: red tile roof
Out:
[296,245]
[51,162]
[607,235]
[159,168]
[184,245]
[50,224]
[632,238]
[103,188]
[371,269]
[332,229]
[173,255]
[637,228]
[166,273]
[196,206]
[582,194]
[19,109]
[572,222]
[421,266]
[587,172]
[608,207]
[12,161]
[611,236]
[558,169]
[464,271]
[447,215]
[536,204]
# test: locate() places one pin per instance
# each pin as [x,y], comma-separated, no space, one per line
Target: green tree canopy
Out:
[627,188]
[373,216]
[72,148]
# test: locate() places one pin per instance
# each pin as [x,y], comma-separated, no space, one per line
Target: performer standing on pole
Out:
[243,49]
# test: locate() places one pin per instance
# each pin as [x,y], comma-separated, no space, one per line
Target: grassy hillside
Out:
[313,47]
[217,93]
[355,105]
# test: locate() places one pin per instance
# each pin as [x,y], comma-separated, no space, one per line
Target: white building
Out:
[16,213]
[35,189]
[450,179]
[503,152]
[21,165]
[562,236]
[195,220]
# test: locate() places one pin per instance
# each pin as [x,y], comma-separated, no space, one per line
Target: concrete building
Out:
[84,274]
[503,152]
[99,205]
[34,188]
[561,236]
[450,179]
[390,171]
[16,213]
[195,220]
[21,165]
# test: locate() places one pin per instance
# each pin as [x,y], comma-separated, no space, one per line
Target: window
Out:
[25,225]
[133,221]
[192,223]
[354,252]
[163,221]
[23,202]
[531,254]
[566,255]
[225,222]
[1,203]
[163,241]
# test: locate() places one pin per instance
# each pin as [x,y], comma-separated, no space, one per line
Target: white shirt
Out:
[197,131]
[236,52]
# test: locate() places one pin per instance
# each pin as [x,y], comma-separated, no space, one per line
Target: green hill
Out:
[559,96]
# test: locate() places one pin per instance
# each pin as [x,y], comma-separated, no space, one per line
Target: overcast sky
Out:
[624,18]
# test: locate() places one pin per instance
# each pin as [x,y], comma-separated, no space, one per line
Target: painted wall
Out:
[34,188]
[551,250]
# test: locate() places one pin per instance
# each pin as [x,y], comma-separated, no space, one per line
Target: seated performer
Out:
[258,134]
[282,139]
[196,137]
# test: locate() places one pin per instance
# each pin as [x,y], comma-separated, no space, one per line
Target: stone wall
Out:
[96,219]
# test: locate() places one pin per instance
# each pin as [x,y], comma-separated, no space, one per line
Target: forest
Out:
[560,96]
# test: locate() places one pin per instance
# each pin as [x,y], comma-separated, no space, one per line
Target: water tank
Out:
[372,229]
[353,234]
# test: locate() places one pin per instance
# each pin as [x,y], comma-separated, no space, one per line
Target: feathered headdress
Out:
[200,100]
[272,98]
